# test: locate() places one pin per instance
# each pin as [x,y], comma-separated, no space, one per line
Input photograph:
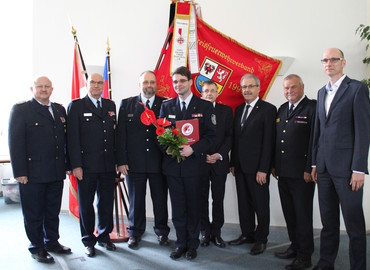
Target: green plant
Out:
[364,32]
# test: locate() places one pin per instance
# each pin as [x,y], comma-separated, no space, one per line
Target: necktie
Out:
[245,115]
[183,110]
[147,104]
[291,109]
[46,107]
[98,106]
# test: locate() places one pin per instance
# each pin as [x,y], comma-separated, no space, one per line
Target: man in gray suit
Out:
[339,160]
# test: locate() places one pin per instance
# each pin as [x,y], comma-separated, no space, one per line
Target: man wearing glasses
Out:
[251,156]
[218,166]
[184,178]
[339,160]
[91,146]
[37,147]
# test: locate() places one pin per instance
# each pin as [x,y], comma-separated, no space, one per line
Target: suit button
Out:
[55,126]
[284,131]
[29,158]
[105,131]
[56,137]
[286,121]
[282,151]
[147,130]
[105,140]
[105,150]
[57,146]
[147,150]
[282,141]
[103,122]
[56,157]
[147,140]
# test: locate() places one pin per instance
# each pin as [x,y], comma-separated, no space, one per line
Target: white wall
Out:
[137,29]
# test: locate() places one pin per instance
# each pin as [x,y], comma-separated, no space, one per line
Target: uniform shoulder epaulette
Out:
[76,100]
[21,102]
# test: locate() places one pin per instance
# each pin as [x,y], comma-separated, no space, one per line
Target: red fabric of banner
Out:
[224,61]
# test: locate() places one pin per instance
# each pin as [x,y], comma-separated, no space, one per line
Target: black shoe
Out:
[299,264]
[241,240]
[58,248]
[218,241]
[43,257]
[191,254]
[177,253]
[133,241]
[163,240]
[204,240]
[90,251]
[108,245]
[287,254]
[258,248]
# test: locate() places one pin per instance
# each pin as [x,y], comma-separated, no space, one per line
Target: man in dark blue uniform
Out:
[184,178]
[218,166]
[292,167]
[140,159]
[91,146]
[37,146]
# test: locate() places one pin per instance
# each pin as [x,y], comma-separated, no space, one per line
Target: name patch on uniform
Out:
[172,116]
[130,115]
[300,122]
[197,115]
[87,114]
[301,117]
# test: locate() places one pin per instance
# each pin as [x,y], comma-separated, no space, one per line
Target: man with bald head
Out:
[140,159]
[91,146]
[339,160]
[37,144]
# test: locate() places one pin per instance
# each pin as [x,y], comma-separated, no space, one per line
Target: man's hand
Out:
[307,177]
[22,179]
[261,178]
[314,174]
[357,181]
[78,173]
[213,158]
[123,169]
[186,150]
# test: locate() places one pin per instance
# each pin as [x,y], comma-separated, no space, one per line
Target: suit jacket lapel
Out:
[341,90]
[253,113]
[41,110]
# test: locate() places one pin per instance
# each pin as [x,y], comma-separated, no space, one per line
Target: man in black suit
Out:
[251,156]
[184,178]
[292,167]
[91,146]
[218,166]
[140,159]
[339,160]
[37,147]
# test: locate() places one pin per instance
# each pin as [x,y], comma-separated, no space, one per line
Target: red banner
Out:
[224,61]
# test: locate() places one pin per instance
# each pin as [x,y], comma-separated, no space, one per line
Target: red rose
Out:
[159,131]
[175,131]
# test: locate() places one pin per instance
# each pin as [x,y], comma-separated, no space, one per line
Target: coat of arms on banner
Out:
[211,70]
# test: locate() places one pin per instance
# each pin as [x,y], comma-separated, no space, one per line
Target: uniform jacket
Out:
[224,136]
[341,139]
[137,144]
[294,134]
[91,135]
[253,145]
[37,142]
[195,164]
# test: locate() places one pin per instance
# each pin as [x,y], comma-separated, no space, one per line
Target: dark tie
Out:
[46,107]
[290,110]
[183,110]
[147,104]
[245,115]
[98,106]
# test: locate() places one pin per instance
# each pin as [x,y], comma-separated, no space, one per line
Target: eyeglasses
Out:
[100,83]
[148,82]
[209,91]
[251,86]
[332,60]
[180,81]
[43,86]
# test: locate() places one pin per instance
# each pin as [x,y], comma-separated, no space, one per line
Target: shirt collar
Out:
[253,103]
[144,99]
[297,103]
[333,88]
[187,100]
[93,100]
[49,104]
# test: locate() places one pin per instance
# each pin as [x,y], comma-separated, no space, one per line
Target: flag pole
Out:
[109,73]
[74,32]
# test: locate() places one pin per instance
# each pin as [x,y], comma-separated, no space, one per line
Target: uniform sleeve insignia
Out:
[213,119]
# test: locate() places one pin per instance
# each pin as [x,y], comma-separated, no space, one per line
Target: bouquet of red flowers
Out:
[169,137]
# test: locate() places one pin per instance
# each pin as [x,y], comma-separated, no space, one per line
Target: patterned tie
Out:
[290,110]
[183,110]
[147,104]
[245,115]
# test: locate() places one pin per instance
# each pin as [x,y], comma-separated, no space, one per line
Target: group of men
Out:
[301,143]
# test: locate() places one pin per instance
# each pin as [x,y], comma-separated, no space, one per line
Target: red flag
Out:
[224,61]
[78,81]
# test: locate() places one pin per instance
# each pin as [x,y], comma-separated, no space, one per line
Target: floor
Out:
[149,255]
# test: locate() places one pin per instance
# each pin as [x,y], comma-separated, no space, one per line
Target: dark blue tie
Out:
[183,110]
